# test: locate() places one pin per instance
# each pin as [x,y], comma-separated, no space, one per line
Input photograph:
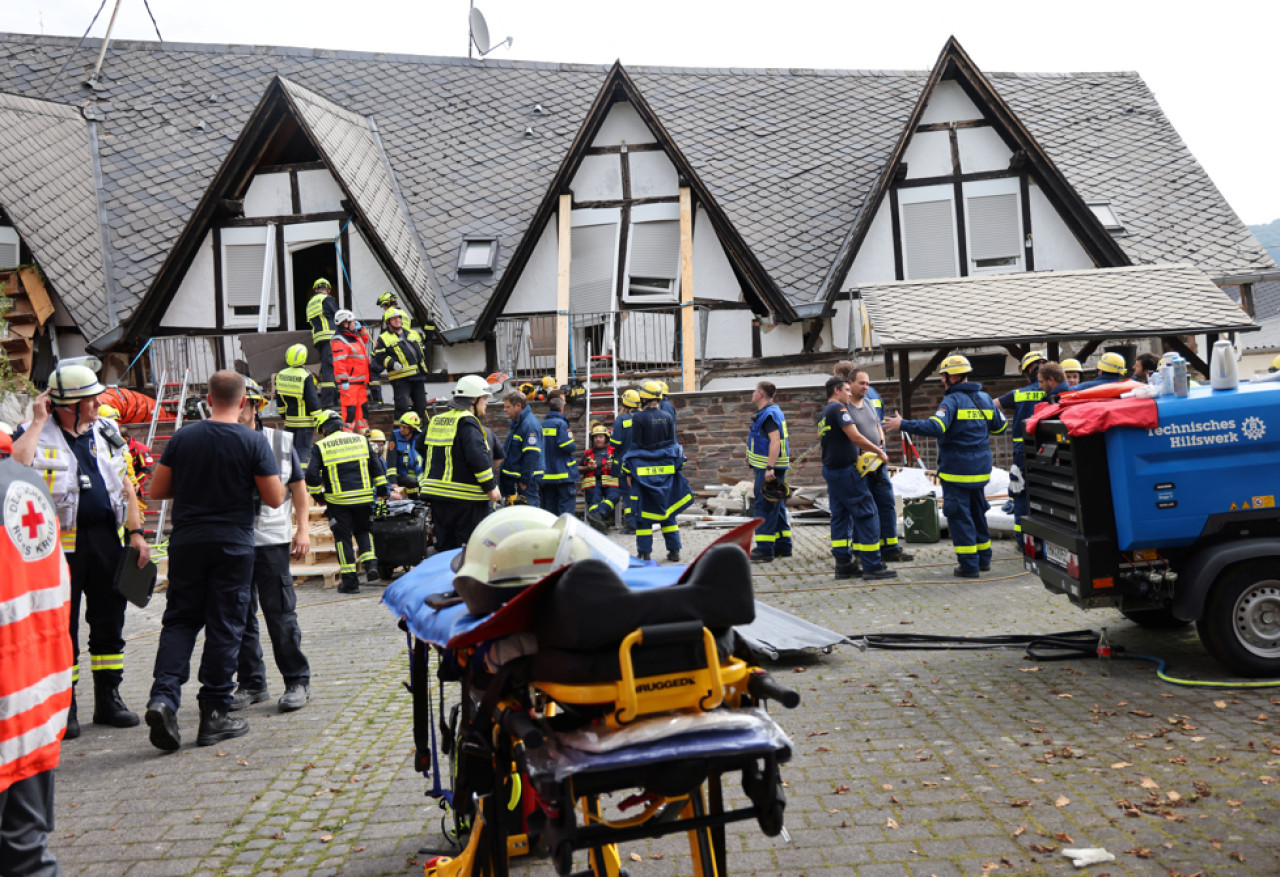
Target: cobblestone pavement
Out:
[905,762]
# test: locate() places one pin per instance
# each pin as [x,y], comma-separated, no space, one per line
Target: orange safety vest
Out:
[35,614]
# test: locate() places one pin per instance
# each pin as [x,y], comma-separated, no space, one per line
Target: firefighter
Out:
[378,441]
[96,505]
[406,357]
[1111,368]
[522,465]
[965,420]
[36,654]
[855,531]
[351,370]
[1022,403]
[387,301]
[322,311]
[346,474]
[560,472]
[620,439]
[768,455]
[298,398]
[457,468]
[599,470]
[404,463]
[654,460]
[1073,370]
[665,404]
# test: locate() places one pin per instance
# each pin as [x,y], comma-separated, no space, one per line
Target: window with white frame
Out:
[927,216]
[1107,215]
[478,254]
[244,256]
[993,221]
[9,247]
[653,254]
[593,248]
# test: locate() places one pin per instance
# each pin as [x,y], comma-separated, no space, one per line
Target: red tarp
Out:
[1087,416]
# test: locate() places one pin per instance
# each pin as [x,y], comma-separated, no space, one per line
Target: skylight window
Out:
[1107,216]
[478,254]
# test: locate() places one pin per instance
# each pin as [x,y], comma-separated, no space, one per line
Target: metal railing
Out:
[644,343]
[1001,450]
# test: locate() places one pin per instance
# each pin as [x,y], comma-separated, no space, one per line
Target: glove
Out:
[1016,482]
[380,508]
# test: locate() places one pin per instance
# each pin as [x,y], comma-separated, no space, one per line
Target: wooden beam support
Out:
[1246,299]
[1175,343]
[1017,351]
[947,126]
[562,292]
[904,382]
[930,367]
[1087,351]
[1054,351]
[888,364]
[688,372]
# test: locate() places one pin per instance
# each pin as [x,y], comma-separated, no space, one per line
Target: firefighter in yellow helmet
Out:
[298,399]
[665,404]
[1022,403]
[600,471]
[1111,368]
[654,462]
[620,438]
[322,311]
[406,355]
[96,504]
[1073,369]
[965,419]
[457,466]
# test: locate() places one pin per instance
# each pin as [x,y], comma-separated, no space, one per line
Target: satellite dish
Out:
[479,32]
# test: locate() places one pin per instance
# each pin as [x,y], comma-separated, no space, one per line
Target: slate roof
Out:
[790,155]
[353,151]
[46,188]
[1139,301]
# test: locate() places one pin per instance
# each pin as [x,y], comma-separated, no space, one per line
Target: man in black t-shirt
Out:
[854,524]
[209,469]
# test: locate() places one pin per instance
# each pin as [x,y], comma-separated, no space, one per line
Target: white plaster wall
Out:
[461,358]
[928,155]
[949,103]
[981,149]
[1056,248]
[268,195]
[599,178]
[840,324]
[623,125]
[192,304]
[728,334]
[368,280]
[652,175]
[780,340]
[535,291]
[318,192]
[713,277]
[874,262]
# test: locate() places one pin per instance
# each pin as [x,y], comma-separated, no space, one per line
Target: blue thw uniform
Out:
[853,514]
[404,463]
[665,405]
[882,491]
[1102,378]
[522,457]
[620,438]
[965,420]
[560,475]
[773,537]
[654,461]
[1023,402]
[876,402]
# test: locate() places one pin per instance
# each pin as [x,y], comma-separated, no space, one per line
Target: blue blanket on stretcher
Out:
[406,596]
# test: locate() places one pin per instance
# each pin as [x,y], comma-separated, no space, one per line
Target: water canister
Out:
[1222,367]
[920,519]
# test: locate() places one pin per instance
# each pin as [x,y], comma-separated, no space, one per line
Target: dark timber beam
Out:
[908,385]
[1087,351]
[1175,343]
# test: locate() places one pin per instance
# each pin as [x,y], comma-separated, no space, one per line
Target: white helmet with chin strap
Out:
[75,379]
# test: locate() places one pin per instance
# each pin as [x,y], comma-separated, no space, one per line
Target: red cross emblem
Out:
[32,520]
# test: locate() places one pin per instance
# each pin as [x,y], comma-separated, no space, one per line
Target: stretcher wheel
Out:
[563,858]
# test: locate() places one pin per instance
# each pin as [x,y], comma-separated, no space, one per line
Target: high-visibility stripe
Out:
[533,447]
[18,702]
[858,546]
[964,479]
[1003,426]
[47,732]
[966,549]
[761,461]
[452,490]
[938,420]
[563,476]
[31,602]
[674,528]
[1028,395]
[642,471]
[565,444]
[974,414]
[1018,439]
[762,537]
[892,540]
[106,662]
[839,543]
[983,546]
[671,510]
[366,556]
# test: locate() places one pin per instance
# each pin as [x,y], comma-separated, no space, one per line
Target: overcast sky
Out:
[1212,66]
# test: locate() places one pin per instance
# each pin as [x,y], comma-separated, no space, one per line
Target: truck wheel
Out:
[1241,622]
[1154,619]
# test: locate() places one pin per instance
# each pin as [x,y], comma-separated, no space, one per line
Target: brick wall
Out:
[713,427]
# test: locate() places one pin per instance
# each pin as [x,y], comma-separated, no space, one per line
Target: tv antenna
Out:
[479,37]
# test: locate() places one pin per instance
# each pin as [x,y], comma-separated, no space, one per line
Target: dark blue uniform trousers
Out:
[209,585]
[26,819]
[273,587]
[602,501]
[882,493]
[965,507]
[558,497]
[855,522]
[670,535]
[774,535]
[328,385]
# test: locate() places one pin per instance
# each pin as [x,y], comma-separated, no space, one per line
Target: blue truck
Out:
[1171,525]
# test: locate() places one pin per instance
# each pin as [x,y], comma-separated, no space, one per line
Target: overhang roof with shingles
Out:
[1132,302]
[46,188]
[352,149]
[790,155]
